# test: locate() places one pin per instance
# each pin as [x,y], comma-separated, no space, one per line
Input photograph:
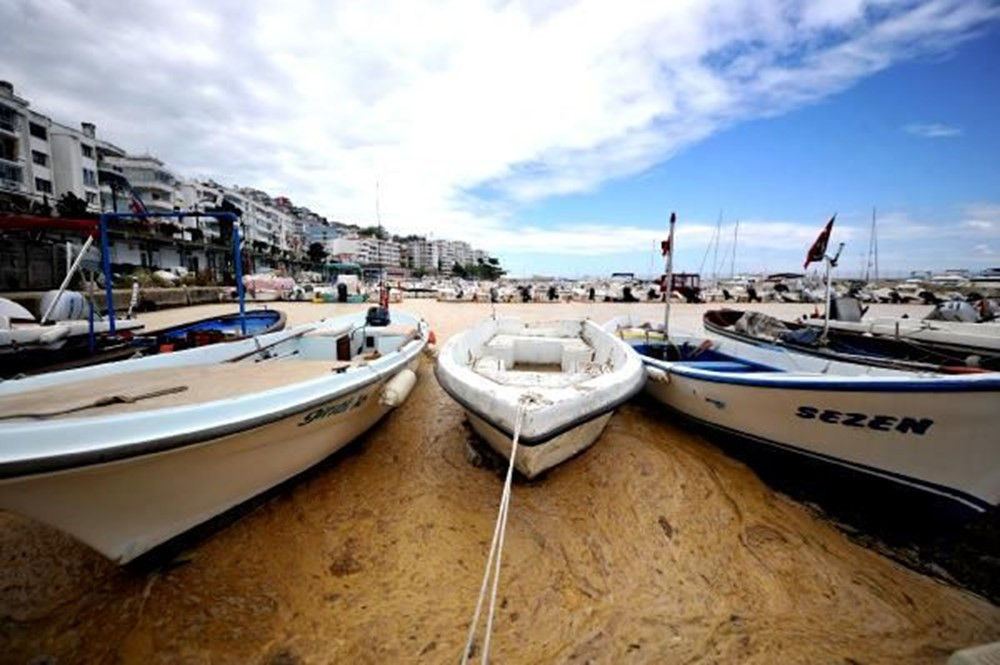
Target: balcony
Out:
[11,175]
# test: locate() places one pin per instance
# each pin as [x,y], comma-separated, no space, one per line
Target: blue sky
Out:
[559,134]
[844,154]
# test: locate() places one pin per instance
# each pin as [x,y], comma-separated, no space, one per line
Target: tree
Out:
[374,232]
[317,253]
[71,205]
[458,270]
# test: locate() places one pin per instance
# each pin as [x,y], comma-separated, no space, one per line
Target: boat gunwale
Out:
[277,326]
[783,379]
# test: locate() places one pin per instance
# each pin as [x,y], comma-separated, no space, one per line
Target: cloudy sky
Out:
[559,135]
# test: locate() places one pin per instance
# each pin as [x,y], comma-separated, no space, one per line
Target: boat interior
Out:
[222,371]
[699,357]
[550,355]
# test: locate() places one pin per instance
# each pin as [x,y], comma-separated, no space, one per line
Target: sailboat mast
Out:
[875,241]
[736,236]
[715,258]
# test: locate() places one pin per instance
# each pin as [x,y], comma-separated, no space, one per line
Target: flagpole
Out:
[831,262]
[670,277]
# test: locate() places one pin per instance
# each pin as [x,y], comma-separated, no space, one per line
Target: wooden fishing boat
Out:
[213,329]
[912,346]
[128,455]
[556,383]
[929,432]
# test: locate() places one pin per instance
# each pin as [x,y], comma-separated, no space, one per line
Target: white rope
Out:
[496,548]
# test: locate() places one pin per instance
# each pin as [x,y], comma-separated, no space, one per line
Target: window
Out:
[87,150]
[91,198]
[42,185]
[39,158]
[89,178]
[38,131]
[8,119]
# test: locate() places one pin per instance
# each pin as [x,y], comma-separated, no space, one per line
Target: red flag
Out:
[818,249]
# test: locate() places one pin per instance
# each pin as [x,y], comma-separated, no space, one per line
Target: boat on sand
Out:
[125,456]
[929,432]
[556,384]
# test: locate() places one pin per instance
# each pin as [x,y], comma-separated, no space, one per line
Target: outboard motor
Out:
[377,317]
[342,293]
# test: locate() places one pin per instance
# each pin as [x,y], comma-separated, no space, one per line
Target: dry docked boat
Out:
[931,432]
[127,455]
[568,377]
[962,353]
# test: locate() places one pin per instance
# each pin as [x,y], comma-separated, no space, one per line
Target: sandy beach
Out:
[652,547]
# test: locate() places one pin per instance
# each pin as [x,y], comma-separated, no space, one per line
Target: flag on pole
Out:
[818,249]
[665,246]
[136,205]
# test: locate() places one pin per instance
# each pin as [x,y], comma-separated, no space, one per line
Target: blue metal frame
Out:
[106,253]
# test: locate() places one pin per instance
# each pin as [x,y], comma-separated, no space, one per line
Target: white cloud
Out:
[463,111]
[932,131]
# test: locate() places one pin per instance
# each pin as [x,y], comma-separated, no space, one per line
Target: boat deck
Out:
[166,387]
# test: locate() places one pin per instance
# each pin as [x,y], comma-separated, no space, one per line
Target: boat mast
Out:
[670,277]
[383,295]
[715,256]
[872,251]
[736,236]
[875,242]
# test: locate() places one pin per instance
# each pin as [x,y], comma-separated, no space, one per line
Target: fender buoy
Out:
[398,388]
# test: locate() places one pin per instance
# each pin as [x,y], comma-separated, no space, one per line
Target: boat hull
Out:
[127,507]
[937,441]
[533,460]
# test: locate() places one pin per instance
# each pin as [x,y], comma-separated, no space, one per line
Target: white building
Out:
[156,186]
[44,160]
[367,250]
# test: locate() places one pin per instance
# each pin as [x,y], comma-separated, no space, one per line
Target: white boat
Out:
[268,287]
[19,331]
[127,455]
[933,433]
[568,377]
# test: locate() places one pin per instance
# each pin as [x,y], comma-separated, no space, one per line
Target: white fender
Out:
[657,374]
[398,388]
[53,334]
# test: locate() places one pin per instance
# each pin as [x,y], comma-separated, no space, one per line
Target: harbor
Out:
[654,545]
[538,332]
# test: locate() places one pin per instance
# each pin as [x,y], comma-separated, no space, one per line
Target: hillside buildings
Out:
[42,162]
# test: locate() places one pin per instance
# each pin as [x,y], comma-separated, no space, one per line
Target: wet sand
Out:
[653,546]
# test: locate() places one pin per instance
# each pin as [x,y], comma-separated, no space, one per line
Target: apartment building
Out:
[367,251]
[154,184]
[43,160]
[422,255]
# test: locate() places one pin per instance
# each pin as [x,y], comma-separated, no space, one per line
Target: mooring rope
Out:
[496,547]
